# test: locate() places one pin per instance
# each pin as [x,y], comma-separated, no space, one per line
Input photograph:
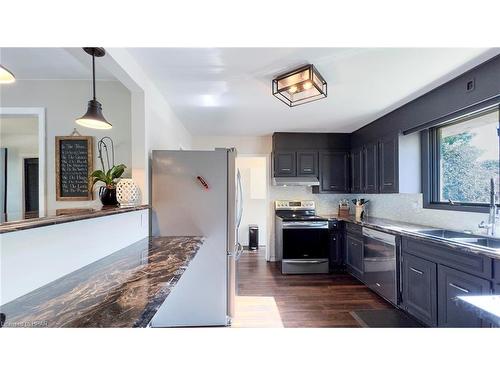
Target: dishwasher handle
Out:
[380,236]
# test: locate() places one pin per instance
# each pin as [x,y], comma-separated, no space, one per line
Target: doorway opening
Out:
[254,179]
[30,188]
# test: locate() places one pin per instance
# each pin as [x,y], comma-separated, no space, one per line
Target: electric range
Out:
[301,238]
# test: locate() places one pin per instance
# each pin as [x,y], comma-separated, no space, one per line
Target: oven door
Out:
[305,240]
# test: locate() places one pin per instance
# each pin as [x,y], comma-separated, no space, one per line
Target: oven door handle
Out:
[305,261]
[301,225]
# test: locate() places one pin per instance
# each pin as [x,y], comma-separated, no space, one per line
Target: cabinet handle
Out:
[307,169]
[285,169]
[459,288]
[416,271]
[387,183]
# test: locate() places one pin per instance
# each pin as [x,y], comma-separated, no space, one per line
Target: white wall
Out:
[244,145]
[64,101]
[154,124]
[253,171]
[19,147]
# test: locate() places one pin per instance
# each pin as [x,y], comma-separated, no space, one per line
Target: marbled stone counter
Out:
[414,231]
[486,307]
[67,215]
[124,289]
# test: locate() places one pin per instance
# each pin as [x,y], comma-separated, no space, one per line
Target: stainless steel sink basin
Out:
[467,238]
[443,233]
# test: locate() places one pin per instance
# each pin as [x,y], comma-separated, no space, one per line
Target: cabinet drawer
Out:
[354,228]
[475,264]
[451,284]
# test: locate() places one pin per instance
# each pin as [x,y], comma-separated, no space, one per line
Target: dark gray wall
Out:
[437,105]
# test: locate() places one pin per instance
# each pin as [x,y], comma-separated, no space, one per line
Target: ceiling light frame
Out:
[312,77]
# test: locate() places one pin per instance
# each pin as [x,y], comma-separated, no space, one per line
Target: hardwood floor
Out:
[269,299]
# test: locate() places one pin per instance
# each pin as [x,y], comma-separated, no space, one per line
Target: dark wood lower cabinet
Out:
[354,255]
[420,289]
[451,284]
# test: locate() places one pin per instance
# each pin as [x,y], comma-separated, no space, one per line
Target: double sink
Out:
[492,243]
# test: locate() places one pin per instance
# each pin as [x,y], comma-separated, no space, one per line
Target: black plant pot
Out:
[108,196]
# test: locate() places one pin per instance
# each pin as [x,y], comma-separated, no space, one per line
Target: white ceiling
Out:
[227,91]
[51,63]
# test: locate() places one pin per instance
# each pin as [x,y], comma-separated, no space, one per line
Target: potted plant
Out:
[107,193]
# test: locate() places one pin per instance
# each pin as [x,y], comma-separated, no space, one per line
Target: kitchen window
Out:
[462,156]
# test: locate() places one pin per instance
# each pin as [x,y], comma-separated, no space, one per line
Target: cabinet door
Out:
[354,256]
[370,167]
[335,257]
[388,165]
[451,284]
[284,164]
[307,163]
[334,171]
[420,289]
[357,170]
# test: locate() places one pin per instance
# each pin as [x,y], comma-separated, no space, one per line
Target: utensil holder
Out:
[359,211]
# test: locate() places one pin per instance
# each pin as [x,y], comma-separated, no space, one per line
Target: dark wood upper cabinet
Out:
[388,176]
[357,170]
[370,168]
[334,171]
[307,163]
[284,164]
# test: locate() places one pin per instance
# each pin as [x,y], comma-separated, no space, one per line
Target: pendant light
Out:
[94,118]
[6,76]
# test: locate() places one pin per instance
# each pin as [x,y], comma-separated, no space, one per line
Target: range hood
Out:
[295,181]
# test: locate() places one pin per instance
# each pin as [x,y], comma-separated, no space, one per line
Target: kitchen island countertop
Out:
[486,307]
[124,289]
[66,215]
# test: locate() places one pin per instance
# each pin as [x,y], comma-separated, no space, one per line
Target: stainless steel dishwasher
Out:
[379,261]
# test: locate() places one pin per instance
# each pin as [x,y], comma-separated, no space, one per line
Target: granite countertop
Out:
[124,289]
[66,215]
[486,307]
[414,231]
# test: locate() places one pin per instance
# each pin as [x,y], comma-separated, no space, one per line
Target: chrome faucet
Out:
[492,218]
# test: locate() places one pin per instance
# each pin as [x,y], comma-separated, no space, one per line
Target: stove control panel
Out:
[294,205]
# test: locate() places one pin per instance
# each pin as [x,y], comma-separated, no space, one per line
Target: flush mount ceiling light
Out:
[6,75]
[300,86]
[94,118]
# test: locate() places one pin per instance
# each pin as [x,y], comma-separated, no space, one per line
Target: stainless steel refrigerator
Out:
[198,193]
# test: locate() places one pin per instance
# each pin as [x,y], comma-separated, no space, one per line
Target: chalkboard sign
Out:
[74,163]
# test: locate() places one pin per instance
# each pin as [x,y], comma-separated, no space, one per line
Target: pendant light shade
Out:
[6,76]
[94,118]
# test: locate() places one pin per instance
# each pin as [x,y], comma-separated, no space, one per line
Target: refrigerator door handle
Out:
[240,200]
[239,251]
